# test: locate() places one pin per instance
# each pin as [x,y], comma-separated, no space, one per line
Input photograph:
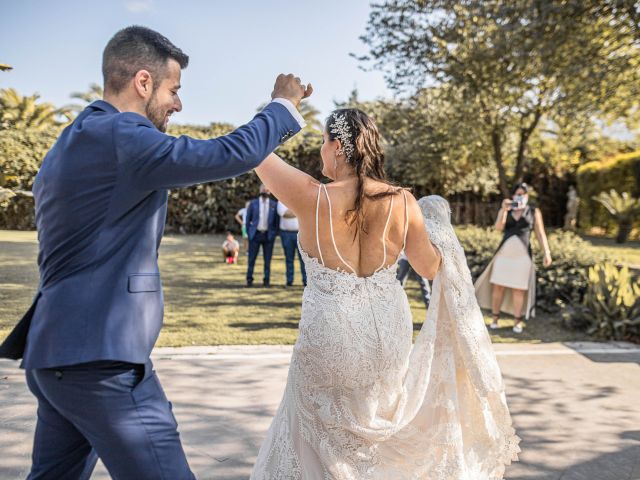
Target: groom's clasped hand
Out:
[291,88]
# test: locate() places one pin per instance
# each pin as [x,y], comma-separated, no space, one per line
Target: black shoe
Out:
[249,284]
[289,284]
[266,284]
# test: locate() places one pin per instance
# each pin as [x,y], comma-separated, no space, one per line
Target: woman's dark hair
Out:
[524,186]
[137,48]
[366,156]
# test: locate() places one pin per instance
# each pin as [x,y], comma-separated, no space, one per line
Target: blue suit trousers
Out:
[404,271]
[113,410]
[260,239]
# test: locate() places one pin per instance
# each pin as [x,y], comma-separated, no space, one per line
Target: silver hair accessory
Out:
[340,128]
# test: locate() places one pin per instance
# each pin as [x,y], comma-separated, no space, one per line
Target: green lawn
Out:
[206,302]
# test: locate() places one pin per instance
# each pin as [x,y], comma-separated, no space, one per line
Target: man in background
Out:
[289,237]
[262,227]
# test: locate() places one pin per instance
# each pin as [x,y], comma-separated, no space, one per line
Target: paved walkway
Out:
[576,406]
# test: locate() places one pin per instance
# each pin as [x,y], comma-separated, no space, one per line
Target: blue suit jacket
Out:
[101,202]
[253,217]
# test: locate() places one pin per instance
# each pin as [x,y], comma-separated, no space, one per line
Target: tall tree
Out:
[512,63]
[426,144]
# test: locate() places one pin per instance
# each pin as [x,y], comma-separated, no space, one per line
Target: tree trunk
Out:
[624,229]
[497,156]
[467,209]
[525,134]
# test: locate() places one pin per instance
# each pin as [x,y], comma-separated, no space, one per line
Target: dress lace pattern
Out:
[362,402]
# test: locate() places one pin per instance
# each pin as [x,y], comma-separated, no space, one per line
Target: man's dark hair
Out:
[137,48]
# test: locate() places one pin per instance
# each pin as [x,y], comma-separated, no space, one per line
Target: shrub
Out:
[565,281]
[610,309]
[480,244]
[21,154]
[211,207]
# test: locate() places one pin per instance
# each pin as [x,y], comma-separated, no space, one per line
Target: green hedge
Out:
[21,154]
[211,207]
[621,172]
[202,208]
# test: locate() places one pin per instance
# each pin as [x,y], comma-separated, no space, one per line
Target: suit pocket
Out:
[144,282]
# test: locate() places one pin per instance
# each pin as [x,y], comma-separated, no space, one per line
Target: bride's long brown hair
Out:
[367,158]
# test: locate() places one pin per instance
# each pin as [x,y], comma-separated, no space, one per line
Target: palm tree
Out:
[624,208]
[18,111]
[308,112]
[94,93]
[310,115]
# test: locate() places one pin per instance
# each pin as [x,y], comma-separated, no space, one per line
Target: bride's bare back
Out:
[338,243]
[363,251]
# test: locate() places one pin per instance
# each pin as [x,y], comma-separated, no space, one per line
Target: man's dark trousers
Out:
[260,239]
[113,410]
[290,246]
[404,270]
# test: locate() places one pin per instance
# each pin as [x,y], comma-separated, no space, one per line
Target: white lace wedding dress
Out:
[362,403]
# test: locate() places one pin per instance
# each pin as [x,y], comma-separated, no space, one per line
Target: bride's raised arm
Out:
[423,256]
[296,189]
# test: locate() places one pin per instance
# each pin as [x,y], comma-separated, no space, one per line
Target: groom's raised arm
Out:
[151,160]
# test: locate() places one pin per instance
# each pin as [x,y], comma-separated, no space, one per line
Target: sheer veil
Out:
[489,439]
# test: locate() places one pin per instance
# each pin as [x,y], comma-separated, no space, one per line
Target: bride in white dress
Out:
[362,402]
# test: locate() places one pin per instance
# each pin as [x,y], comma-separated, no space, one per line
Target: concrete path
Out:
[576,407]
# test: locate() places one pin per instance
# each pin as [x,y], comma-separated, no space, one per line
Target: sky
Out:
[236,49]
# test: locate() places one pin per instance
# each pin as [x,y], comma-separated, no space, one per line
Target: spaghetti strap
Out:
[317,236]
[406,219]
[384,234]
[333,240]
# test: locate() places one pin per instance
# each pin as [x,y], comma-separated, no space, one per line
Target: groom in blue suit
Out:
[101,202]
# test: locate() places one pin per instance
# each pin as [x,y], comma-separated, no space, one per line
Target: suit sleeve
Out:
[152,160]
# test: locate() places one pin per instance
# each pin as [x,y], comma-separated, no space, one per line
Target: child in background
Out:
[230,249]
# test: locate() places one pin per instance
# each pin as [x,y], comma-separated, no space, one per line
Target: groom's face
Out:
[165,100]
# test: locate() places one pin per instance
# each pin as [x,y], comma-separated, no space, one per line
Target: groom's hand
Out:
[291,88]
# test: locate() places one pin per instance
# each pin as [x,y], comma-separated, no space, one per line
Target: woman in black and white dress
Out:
[508,284]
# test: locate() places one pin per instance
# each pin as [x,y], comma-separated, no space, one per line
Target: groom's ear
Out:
[143,84]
